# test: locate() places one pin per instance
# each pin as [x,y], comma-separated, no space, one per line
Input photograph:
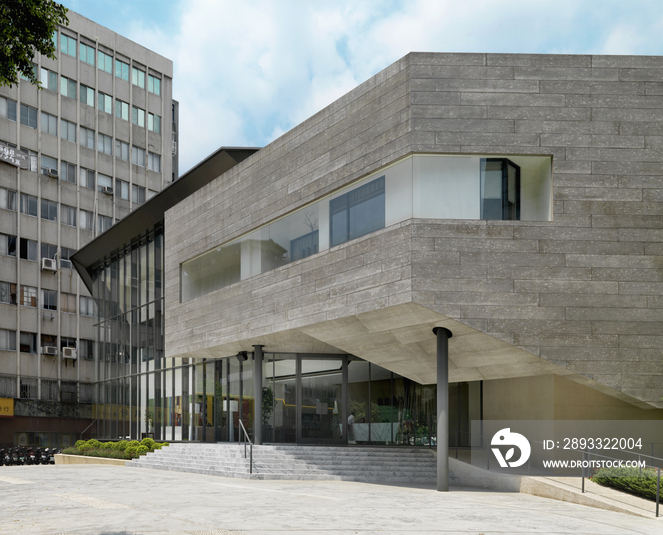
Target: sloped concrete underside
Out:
[400,338]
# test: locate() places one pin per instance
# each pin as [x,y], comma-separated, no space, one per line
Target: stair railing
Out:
[244,439]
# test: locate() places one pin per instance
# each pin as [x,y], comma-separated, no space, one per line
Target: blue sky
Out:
[247,71]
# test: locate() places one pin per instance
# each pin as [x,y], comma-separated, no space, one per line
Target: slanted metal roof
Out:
[151,214]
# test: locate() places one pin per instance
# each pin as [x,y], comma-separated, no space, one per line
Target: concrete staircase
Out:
[355,463]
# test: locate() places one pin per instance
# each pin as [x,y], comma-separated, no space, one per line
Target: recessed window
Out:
[137,77]
[8,199]
[7,340]
[48,250]
[68,303]
[154,162]
[28,296]
[122,189]
[105,61]
[87,220]
[49,79]
[68,130]
[65,256]
[7,245]
[68,215]
[104,181]
[121,150]
[500,189]
[137,194]
[87,95]
[86,178]
[67,45]
[154,84]
[105,223]
[67,87]
[29,204]
[154,123]
[49,123]
[68,172]
[49,299]
[104,102]
[87,54]
[47,162]
[49,210]
[29,116]
[105,144]
[357,212]
[121,110]
[138,116]
[87,138]
[138,156]
[121,70]
[8,293]
[28,249]
[8,108]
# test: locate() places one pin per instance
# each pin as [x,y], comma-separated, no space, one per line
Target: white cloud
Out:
[246,72]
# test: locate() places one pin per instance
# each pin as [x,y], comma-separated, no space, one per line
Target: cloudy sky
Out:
[246,71]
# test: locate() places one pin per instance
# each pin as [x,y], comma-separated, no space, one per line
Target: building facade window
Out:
[137,194]
[29,204]
[48,162]
[48,250]
[49,210]
[154,84]
[87,95]
[138,116]
[34,71]
[68,215]
[122,70]
[7,245]
[68,172]
[49,123]
[29,116]
[357,212]
[8,108]
[28,249]
[67,45]
[8,293]
[67,87]
[121,150]
[104,181]
[104,102]
[49,79]
[49,299]
[28,296]
[86,178]
[87,54]
[154,162]
[87,138]
[105,223]
[8,199]
[121,110]
[138,77]
[500,189]
[105,144]
[121,189]
[138,156]
[86,349]
[7,340]
[105,62]
[67,130]
[87,220]
[65,255]
[68,303]
[154,123]
[86,306]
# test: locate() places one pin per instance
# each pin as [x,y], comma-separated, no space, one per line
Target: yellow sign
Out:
[6,407]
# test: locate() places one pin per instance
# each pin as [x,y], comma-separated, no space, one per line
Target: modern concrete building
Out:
[515,200]
[88,148]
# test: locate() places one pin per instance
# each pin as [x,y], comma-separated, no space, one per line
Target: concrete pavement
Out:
[113,500]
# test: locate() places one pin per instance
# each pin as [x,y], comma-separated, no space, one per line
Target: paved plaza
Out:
[115,500]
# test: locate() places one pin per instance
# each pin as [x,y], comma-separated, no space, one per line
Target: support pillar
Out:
[443,336]
[257,394]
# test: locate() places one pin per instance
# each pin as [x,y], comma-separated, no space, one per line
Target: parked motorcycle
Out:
[44,456]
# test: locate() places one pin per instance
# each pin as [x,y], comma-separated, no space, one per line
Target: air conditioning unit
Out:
[68,352]
[53,173]
[108,190]
[49,350]
[49,264]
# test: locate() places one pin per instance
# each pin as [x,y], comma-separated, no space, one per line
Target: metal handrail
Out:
[244,438]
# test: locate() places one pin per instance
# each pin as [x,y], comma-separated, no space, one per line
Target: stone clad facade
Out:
[579,296]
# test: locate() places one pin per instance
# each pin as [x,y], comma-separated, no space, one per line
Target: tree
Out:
[27,27]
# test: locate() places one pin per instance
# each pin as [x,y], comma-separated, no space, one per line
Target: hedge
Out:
[629,480]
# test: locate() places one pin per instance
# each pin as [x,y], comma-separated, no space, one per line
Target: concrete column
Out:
[443,336]
[257,394]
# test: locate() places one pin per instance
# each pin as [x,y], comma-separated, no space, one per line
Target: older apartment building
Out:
[76,156]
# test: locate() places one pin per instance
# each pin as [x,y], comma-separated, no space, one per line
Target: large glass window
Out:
[7,340]
[28,249]
[49,79]
[154,84]
[7,245]
[87,54]
[86,178]
[121,110]
[8,199]
[154,123]
[67,130]
[357,212]
[29,204]
[500,189]
[138,116]
[67,87]
[87,95]
[87,137]
[105,144]
[28,116]
[49,123]
[28,296]
[121,150]
[49,210]
[105,61]
[49,299]
[8,293]
[68,172]
[121,70]
[8,108]
[104,102]
[138,77]
[67,45]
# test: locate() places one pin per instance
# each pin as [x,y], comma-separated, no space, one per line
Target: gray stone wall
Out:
[583,291]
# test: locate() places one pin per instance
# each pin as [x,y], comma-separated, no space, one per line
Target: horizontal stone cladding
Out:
[584,290]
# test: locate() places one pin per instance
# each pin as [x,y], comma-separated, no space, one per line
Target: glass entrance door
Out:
[322,415]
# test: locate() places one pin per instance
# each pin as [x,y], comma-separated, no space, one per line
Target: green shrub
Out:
[149,443]
[85,447]
[629,480]
[108,445]
[79,443]
[131,451]
[140,450]
[93,443]
[121,445]
[164,444]
[133,443]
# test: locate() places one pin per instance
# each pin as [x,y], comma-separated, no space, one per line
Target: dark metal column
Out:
[443,336]
[257,394]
